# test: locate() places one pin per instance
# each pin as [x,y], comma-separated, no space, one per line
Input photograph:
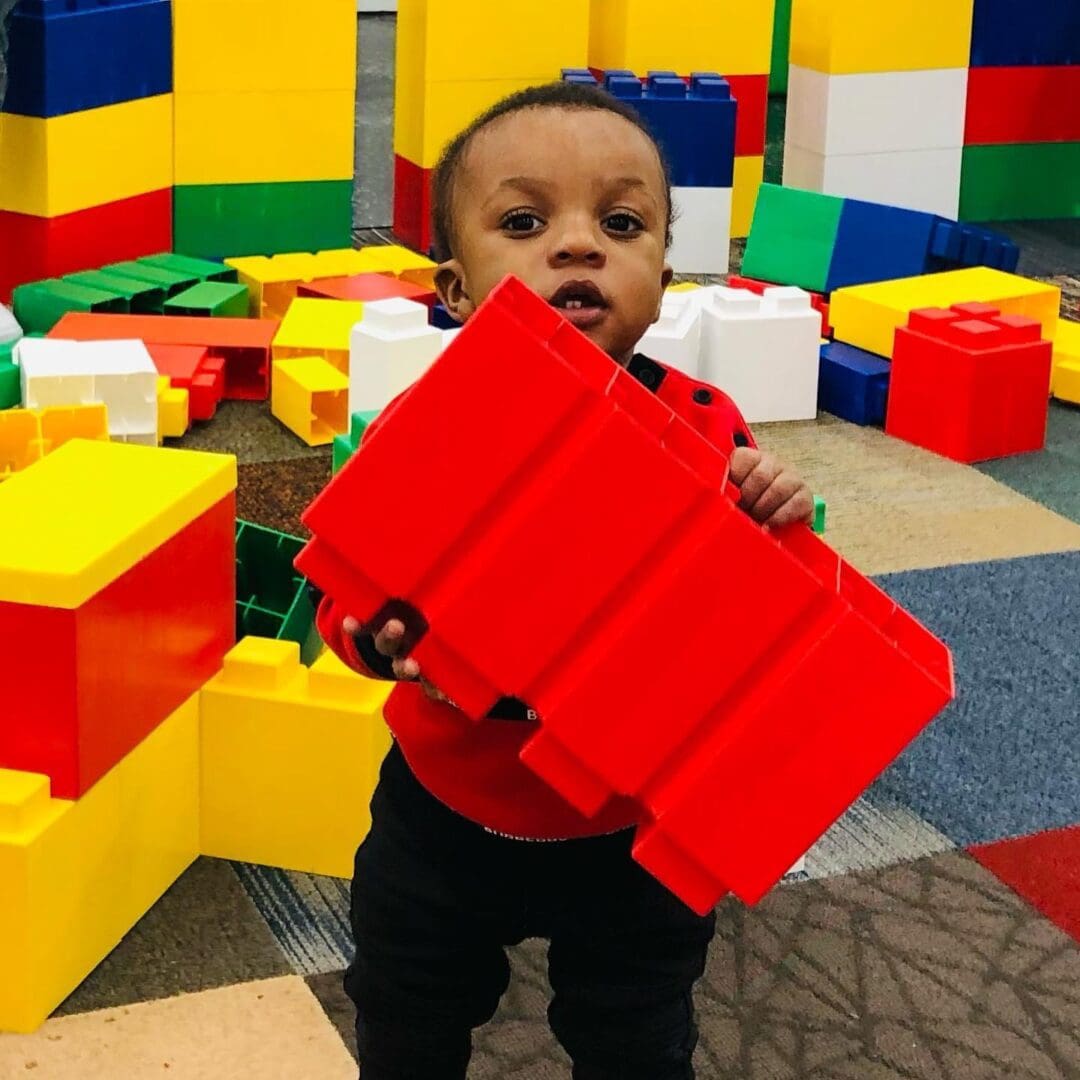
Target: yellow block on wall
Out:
[749,173]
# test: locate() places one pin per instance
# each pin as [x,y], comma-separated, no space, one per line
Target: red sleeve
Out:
[709,411]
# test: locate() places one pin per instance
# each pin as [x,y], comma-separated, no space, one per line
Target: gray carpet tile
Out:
[276,493]
[248,430]
[1003,759]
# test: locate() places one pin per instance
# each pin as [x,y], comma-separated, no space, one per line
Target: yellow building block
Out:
[82,159]
[683,286]
[843,37]
[264,136]
[868,315]
[172,409]
[1065,383]
[316,327]
[75,877]
[310,397]
[272,280]
[749,173]
[732,37]
[264,45]
[29,434]
[91,510]
[397,260]
[280,744]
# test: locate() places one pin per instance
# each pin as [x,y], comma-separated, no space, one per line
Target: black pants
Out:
[435,900]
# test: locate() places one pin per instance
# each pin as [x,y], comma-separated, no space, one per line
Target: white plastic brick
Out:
[701,238]
[763,351]
[51,373]
[876,113]
[449,334]
[10,330]
[389,350]
[675,338]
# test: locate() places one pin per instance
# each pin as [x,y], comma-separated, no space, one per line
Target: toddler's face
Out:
[572,202]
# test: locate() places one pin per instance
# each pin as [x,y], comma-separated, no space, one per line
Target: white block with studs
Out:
[389,350]
[701,237]
[675,338]
[762,351]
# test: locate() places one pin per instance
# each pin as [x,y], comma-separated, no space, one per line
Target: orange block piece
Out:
[29,434]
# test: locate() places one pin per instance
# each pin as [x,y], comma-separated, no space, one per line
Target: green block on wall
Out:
[1020,181]
[781,48]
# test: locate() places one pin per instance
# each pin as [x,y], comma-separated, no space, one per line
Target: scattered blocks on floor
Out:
[210,298]
[170,279]
[199,269]
[969,383]
[173,409]
[26,435]
[314,327]
[139,297]
[345,445]
[367,287]
[819,515]
[192,368]
[280,743]
[1065,383]
[853,384]
[40,304]
[310,396]
[10,391]
[817,300]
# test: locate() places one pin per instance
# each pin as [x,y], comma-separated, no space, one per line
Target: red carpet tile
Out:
[1044,869]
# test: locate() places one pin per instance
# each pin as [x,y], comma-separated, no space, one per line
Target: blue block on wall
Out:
[875,242]
[1014,33]
[67,56]
[853,384]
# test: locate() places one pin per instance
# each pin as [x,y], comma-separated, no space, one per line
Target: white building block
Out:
[701,238]
[10,330]
[914,179]
[449,335]
[876,113]
[389,350]
[762,351]
[675,338]
[52,373]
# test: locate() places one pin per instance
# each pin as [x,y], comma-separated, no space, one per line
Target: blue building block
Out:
[875,242]
[694,124]
[442,319]
[954,246]
[853,384]
[67,56]
[1012,33]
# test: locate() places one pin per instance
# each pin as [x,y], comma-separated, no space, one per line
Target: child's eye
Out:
[520,221]
[623,222]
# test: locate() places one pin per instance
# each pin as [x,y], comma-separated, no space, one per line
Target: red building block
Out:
[1022,105]
[817,301]
[412,204]
[969,384]
[92,682]
[243,345]
[34,248]
[366,287]
[571,503]
[194,369]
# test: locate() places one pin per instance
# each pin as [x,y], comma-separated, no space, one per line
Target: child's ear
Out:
[450,285]
[665,280]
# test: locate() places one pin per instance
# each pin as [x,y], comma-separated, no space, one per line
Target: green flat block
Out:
[216,298]
[342,450]
[171,281]
[1020,181]
[204,269]
[142,297]
[792,237]
[262,219]
[10,393]
[781,48]
[345,445]
[819,515]
[39,305]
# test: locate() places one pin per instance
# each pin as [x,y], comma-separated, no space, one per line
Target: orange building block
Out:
[29,434]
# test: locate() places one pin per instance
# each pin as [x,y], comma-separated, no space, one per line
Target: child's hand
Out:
[771,492]
[388,642]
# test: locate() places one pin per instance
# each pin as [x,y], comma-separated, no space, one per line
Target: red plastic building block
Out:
[194,369]
[365,287]
[817,300]
[569,502]
[1022,105]
[35,248]
[242,344]
[412,204]
[969,383]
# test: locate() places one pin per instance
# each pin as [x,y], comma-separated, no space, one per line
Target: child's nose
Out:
[578,244]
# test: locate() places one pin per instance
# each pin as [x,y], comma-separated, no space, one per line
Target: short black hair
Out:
[554,95]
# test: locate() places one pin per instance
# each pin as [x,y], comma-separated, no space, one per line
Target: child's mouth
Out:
[581,303]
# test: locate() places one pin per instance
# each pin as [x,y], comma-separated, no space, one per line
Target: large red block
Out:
[412,204]
[367,287]
[92,682]
[1022,105]
[194,369]
[33,248]
[242,344]
[563,499]
[969,383]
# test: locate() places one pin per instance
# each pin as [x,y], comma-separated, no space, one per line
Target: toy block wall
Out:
[453,62]
[876,100]
[86,148]
[265,96]
[1022,128]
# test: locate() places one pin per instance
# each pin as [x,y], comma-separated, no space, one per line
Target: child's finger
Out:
[406,668]
[350,625]
[800,507]
[756,484]
[775,495]
[741,464]
[388,640]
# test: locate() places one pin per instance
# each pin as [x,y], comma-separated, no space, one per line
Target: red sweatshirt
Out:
[473,767]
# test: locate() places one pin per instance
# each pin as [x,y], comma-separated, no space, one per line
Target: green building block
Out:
[10,391]
[781,48]
[819,515]
[345,445]
[271,598]
[261,219]
[1020,181]
[204,269]
[218,298]
[172,281]
[142,297]
[792,237]
[39,305]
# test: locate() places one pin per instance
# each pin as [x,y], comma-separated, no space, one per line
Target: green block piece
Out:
[204,269]
[272,600]
[171,281]
[39,305]
[210,298]
[1021,181]
[10,393]
[819,515]
[142,297]
[345,445]
[792,237]
[781,48]
[262,219]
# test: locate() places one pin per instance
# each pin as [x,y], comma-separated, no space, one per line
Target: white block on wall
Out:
[701,238]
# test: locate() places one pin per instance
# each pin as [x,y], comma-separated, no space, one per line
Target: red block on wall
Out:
[33,248]
[969,383]
[412,204]
[568,501]
[1022,105]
